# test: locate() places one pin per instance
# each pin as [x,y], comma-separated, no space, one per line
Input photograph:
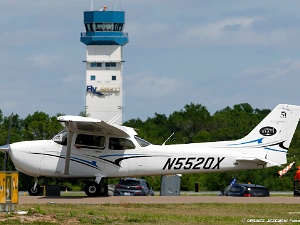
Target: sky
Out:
[211,52]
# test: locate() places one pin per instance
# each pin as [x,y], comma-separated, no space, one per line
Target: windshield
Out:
[61,137]
[141,141]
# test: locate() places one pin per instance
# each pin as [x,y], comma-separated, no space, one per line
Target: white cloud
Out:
[146,85]
[283,69]
[74,78]
[216,30]
[43,60]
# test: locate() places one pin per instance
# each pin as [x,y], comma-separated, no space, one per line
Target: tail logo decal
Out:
[283,114]
[267,131]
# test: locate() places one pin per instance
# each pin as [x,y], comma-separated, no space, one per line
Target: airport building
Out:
[104,39]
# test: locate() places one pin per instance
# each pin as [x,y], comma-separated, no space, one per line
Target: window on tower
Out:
[93,77]
[113,77]
[110,64]
[104,27]
[96,64]
[99,27]
[89,27]
[118,26]
[107,26]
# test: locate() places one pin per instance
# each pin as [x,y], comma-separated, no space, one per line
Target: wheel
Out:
[36,191]
[91,189]
[103,190]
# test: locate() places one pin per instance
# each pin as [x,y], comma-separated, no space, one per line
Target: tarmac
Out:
[156,200]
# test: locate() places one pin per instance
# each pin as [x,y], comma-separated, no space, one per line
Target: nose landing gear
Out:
[35,189]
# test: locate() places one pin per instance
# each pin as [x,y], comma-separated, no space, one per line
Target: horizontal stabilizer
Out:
[256,160]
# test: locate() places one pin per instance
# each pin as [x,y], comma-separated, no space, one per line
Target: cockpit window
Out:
[90,141]
[120,144]
[61,137]
[141,141]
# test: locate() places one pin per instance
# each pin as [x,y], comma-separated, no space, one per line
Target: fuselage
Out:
[47,158]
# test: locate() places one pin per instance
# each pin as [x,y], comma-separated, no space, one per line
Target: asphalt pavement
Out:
[156,200]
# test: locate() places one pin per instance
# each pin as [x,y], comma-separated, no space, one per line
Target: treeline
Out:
[193,123]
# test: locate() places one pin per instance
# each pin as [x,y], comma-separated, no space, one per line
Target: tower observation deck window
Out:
[118,26]
[99,27]
[107,26]
[90,27]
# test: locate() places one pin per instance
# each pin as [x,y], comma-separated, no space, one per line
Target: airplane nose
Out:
[23,155]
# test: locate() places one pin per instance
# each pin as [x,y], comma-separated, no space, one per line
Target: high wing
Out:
[93,125]
[78,123]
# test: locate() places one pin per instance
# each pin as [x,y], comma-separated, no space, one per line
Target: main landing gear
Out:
[91,189]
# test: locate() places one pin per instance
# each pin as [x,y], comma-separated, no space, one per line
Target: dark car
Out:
[246,190]
[132,187]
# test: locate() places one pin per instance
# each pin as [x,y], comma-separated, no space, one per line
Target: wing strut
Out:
[68,152]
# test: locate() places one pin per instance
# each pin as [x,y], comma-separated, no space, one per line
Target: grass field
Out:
[204,213]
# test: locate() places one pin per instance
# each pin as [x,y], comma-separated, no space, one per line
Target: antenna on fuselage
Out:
[168,139]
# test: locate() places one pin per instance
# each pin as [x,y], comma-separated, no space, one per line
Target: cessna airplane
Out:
[91,148]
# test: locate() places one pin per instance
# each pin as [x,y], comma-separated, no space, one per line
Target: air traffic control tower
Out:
[104,39]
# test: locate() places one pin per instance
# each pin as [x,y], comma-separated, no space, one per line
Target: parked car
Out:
[245,190]
[133,187]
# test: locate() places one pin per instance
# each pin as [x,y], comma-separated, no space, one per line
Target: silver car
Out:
[133,187]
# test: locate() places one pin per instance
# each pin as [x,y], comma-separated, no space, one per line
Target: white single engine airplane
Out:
[91,148]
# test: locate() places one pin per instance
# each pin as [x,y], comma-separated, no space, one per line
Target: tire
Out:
[91,189]
[103,190]
[35,192]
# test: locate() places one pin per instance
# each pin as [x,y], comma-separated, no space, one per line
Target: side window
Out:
[240,189]
[120,144]
[61,137]
[90,141]
[237,189]
[233,189]
[141,142]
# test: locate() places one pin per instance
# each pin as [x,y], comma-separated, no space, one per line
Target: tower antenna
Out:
[92,5]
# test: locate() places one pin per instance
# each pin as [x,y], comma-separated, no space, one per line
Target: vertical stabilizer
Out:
[271,138]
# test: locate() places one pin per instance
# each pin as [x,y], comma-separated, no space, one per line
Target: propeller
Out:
[5,148]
